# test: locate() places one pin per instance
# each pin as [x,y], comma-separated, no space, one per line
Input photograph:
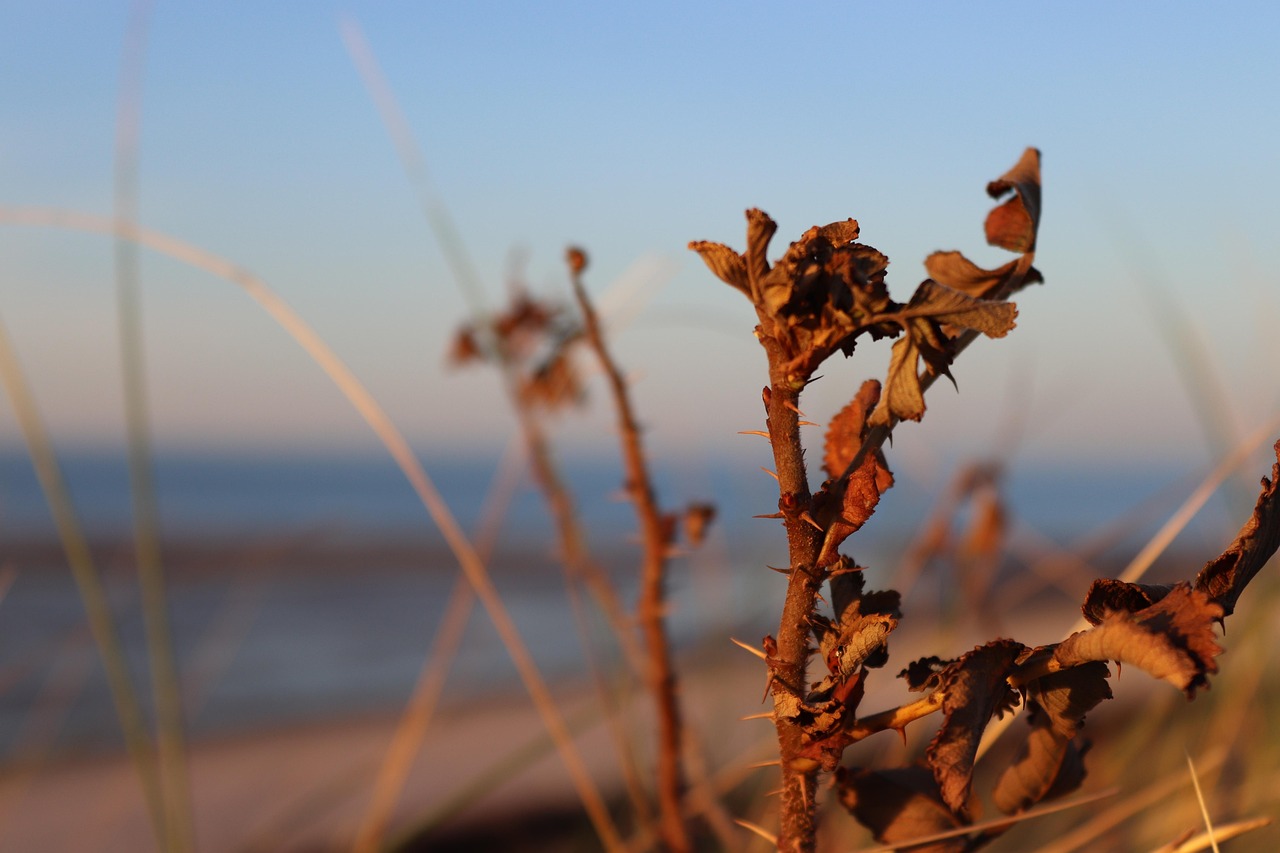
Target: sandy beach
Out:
[305,787]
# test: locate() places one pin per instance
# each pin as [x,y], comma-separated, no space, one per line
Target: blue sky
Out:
[631,130]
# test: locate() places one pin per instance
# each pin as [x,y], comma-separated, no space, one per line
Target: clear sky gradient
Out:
[631,129]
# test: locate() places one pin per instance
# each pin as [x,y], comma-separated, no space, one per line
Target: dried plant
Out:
[825,293]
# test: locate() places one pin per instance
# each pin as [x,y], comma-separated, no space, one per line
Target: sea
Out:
[310,586]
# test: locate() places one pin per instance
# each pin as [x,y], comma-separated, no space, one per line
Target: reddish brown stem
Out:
[804,542]
[651,610]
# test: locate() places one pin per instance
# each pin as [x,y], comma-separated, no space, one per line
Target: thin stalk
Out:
[393,440]
[180,833]
[89,583]
[443,228]
[651,609]
[411,729]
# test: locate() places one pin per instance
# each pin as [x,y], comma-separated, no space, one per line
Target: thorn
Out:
[774,792]
[770,473]
[777,762]
[764,715]
[793,407]
[811,380]
[770,515]
[758,432]
[902,730]
[804,516]
[768,686]
[751,649]
[809,423]
[758,830]
[778,570]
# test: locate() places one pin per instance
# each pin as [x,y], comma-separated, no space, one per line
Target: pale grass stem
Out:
[170,736]
[396,446]
[89,583]
[411,729]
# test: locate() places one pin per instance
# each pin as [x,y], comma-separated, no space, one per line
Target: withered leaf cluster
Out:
[533,339]
[828,289]
[1166,630]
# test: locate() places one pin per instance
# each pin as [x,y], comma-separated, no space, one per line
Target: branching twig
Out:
[652,604]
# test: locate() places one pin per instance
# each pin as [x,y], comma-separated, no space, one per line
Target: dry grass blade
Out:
[179,831]
[396,446]
[996,823]
[88,582]
[1204,808]
[1103,822]
[756,830]
[411,729]
[1221,833]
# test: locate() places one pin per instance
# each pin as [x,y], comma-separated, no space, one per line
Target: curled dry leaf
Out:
[899,805]
[1107,596]
[1225,577]
[1049,762]
[858,635]
[1013,225]
[728,265]
[848,428]
[974,689]
[1173,640]
[954,270]
[930,307]
[843,506]
[925,674]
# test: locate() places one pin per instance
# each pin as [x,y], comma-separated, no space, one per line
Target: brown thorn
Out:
[749,648]
[770,515]
[758,830]
[778,570]
[758,432]
[764,715]
[770,473]
[804,516]
[809,423]
[793,407]
[777,762]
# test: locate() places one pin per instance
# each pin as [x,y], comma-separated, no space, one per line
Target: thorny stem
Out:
[790,662]
[652,605]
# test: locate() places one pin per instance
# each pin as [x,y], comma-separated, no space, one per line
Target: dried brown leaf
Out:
[1225,577]
[1107,596]
[848,428]
[925,673]
[760,230]
[947,305]
[1173,640]
[930,307]
[697,518]
[841,507]
[954,270]
[1049,763]
[974,689]
[728,265]
[1013,225]
[899,805]
[839,233]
